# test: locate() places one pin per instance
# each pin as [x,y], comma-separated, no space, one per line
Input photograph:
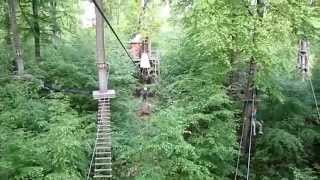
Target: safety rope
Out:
[250,142]
[242,133]
[249,154]
[113,31]
[250,139]
[239,152]
[314,97]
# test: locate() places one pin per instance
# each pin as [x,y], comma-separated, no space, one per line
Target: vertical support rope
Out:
[314,97]
[252,97]
[250,139]
[239,152]
[249,154]
[92,158]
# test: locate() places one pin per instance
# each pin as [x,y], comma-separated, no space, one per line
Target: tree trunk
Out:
[36,27]
[55,28]
[250,101]
[15,36]
[118,12]
[249,106]
[7,26]
[100,51]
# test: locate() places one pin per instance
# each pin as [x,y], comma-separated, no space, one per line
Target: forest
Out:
[235,95]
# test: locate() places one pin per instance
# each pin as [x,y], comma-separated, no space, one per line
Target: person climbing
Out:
[304,56]
[144,94]
[256,124]
[146,107]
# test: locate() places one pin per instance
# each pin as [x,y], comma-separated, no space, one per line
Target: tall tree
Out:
[15,36]
[55,27]
[36,29]
[7,26]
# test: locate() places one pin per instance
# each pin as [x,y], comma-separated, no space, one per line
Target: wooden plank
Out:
[104,94]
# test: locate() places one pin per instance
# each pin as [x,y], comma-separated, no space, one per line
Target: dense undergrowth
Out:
[47,120]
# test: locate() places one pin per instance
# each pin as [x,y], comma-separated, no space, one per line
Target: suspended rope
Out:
[250,118]
[239,152]
[92,158]
[113,31]
[250,139]
[314,97]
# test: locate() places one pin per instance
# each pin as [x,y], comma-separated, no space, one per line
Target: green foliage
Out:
[47,120]
[290,135]
[304,174]
[193,131]
[40,137]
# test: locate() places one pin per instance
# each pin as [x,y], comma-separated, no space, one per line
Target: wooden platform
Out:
[106,94]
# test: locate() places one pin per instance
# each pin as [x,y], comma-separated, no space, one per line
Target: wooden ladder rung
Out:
[103,125]
[103,164]
[102,170]
[103,158]
[104,147]
[104,133]
[99,153]
[103,143]
[102,176]
[104,139]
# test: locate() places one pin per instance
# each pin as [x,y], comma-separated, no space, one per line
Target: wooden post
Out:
[103,67]
[101,59]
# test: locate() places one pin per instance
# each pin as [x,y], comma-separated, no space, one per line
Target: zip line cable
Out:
[112,30]
[314,97]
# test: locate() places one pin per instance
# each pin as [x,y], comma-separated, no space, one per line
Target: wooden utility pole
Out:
[103,66]
[103,145]
[15,36]
[101,59]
